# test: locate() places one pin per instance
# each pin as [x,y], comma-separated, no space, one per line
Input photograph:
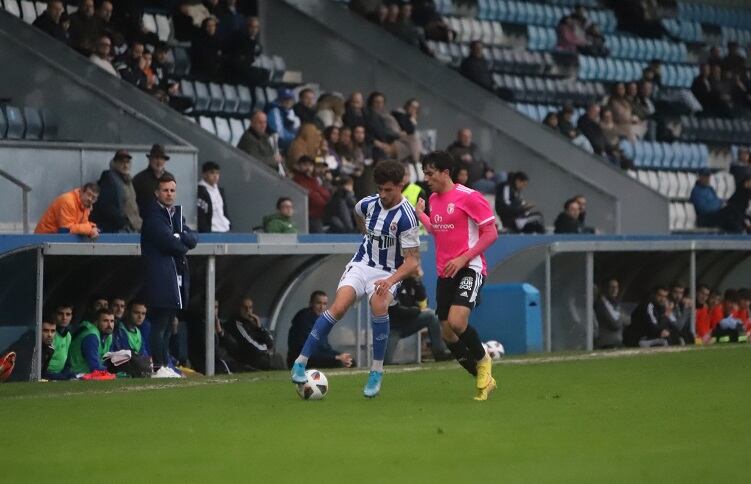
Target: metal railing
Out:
[25,189]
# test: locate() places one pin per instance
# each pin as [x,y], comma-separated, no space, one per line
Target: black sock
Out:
[461,353]
[470,338]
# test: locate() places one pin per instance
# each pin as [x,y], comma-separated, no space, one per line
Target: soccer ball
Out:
[495,349]
[315,388]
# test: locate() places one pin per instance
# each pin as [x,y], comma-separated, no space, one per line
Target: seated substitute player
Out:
[389,252]
[463,225]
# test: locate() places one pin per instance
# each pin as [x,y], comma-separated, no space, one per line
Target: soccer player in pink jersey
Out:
[463,225]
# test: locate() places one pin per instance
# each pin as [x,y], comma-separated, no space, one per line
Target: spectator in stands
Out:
[610,318]
[566,120]
[329,110]
[461,176]
[49,21]
[551,120]
[163,68]
[101,55]
[702,88]
[280,222]
[91,343]
[58,367]
[571,36]
[516,214]
[354,110]
[649,323]
[411,314]
[282,119]
[340,210]
[247,341]
[425,15]
[595,42]
[628,125]
[734,62]
[734,216]
[69,213]
[241,51]
[640,17]
[129,60]
[612,135]
[714,58]
[318,195]
[465,151]
[682,308]
[365,159]
[147,181]
[165,241]
[84,28]
[722,93]
[327,151]
[306,143]
[230,20]
[259,145]
[206,59]
[568,220]
[103,17]
[116,210]
[399,22]
[582,201]
[589,125]
[325,356]
[152,82]
[706,203]
[383,130]
[212,207]
[741,167]
[305,106]
[475,67]
[346,150]
[703,313]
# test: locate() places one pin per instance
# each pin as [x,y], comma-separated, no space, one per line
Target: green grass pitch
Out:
[656,417]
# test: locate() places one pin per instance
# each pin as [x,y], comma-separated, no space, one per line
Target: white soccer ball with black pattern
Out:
[494,349]
[315,388]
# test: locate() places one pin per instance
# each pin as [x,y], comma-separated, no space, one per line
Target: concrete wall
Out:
[52,168]
[343,52]
[95,107]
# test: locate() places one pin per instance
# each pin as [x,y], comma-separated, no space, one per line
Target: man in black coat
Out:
[248,343]
[50,23]
[475,67]
[165,242]
[568,220]
[589,125]
[145,182]
[325,356]
[517,216]
[650,325]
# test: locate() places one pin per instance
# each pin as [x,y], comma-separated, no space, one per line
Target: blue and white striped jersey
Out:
[388,232]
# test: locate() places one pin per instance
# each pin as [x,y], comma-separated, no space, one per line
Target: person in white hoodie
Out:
[212,209]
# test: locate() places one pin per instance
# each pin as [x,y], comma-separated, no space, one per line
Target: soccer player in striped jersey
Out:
[463,225]
[389,252]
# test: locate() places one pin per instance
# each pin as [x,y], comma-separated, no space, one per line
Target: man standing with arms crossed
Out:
[463,225]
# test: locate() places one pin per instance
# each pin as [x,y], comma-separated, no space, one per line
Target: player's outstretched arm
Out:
[409,266]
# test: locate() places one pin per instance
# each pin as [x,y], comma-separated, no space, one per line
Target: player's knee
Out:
[379,306]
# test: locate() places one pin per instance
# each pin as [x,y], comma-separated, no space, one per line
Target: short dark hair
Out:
[731,295]
[440,160]
[63,305]
[91,186]
[744,293]
[210,166]
[703,286]
[306,159]
[519,176]
[568,203]
[48,323]
[281,200]
[388,171]
[136,302]
[315,294]
[372,96]
[101,311]
[303,92]
[677,283]
[659,287]
[166,178]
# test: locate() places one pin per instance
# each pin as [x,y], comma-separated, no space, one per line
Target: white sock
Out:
[377,366]
[302,359]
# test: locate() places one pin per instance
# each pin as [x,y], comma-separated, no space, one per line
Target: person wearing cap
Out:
[282,118]
[146,182]
[212,209]
[706,203]
[116,209]
[69,213]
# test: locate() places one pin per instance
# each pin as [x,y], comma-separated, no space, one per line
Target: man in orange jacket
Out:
[69,213]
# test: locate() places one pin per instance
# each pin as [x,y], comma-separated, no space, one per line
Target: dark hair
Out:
[440,160]
[306,159]
[410,101]
[166,178]
[101,311]
[372,96]
[327,132]
[137,302]
[62,305]
[48,322]
[91,186]
[343,180]
[281,200]
[518,176]
[303,92]
[744,293]
[731,295]
[659,287]
[568,203]
[315,294]
[703,286]
[677,283]
[210,166]
[388,171]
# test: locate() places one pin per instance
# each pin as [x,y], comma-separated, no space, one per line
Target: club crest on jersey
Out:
[450,208]
[393,227]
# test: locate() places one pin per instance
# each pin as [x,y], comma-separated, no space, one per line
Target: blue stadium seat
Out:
[231,99]
[34,126]
[203,99]
[3,124]
[187,90]
[16,125]
[217,97]
[51,124]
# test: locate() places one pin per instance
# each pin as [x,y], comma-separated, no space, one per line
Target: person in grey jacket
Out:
[610,318]
[116,209]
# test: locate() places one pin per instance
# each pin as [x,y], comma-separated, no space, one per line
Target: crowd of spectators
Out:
[663,318]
